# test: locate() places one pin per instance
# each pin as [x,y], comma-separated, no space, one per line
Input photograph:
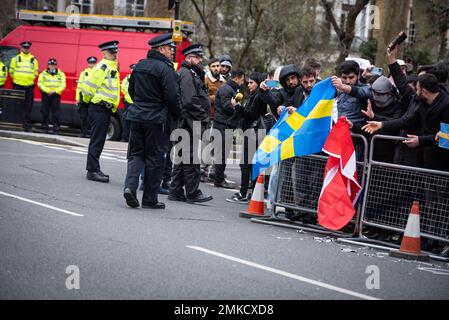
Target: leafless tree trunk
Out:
[346,31]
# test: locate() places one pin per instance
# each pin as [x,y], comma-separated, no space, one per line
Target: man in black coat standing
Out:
[195,118]
[226,117]
[154,88]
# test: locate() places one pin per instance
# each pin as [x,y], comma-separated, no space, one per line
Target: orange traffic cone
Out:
[411,242]
[256,208]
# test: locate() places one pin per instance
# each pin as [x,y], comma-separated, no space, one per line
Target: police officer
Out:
[24,69]
[101,90]
[154,88]
[82,106]
[51,82]
[195,112]
[127,101]
[3,73]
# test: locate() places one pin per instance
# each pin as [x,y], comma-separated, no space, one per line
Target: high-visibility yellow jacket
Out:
[48,82]
[83,76]
[3,73]
[24,69]
[103,84]
[125,86]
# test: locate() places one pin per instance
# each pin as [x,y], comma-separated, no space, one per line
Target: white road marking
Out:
[286,274]
[41,204]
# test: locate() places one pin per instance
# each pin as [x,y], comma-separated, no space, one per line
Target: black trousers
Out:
[100,119]
[125,123]
[27,105]
[147,148]
[226,145]
[50,104]
[188,174]
[84,116]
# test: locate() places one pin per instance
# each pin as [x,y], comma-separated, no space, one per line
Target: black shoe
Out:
[156,206]
[95,176]
[103,174]
[199,199]
[131,199]
[224,185]
[177,197]
[56,133]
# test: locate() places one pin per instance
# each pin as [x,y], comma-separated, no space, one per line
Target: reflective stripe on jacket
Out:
[103,84]
[3,73]
[83,75]
[125,86]
[48,82]
[24,69]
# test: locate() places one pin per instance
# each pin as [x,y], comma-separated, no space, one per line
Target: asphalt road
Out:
[51,217]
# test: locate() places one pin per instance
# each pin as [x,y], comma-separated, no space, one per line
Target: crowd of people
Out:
[159,100]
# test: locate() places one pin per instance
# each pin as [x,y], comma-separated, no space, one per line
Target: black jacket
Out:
[284,96]
[194,96]
[154,88]
[225,113]
[429,118]
[253,112]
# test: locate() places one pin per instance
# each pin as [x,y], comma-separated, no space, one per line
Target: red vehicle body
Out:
[71,48]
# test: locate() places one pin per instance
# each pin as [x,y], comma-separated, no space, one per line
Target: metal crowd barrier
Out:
[299,188]
[389,193]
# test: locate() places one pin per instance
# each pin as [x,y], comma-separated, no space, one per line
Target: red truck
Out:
[72,46]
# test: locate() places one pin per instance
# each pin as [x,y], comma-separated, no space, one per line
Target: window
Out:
[135,8]
[85,6]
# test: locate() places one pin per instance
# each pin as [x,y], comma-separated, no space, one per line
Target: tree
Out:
[346,30]
[394,20]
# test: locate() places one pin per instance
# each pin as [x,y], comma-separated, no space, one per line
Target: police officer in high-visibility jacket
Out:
[3,73]
[127,102]
[24,69]
[101,90]
[52,83]
[82,106]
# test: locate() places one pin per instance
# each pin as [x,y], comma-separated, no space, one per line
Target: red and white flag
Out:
[341,188]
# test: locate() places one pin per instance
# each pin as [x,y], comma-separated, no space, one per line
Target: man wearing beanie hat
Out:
[195,111]
[225,66]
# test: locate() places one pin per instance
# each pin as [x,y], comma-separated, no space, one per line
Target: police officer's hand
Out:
[263,86]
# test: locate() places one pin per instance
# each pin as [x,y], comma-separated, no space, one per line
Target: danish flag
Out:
[341,188]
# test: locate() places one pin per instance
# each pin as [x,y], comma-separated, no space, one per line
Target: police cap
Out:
[162,40]
[196,49]
[52,61]
[25,44]
[92,59]
[110,45]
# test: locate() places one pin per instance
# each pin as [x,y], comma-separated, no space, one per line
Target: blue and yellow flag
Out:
[299,134]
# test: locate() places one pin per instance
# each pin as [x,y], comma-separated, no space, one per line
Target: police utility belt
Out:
[106,105]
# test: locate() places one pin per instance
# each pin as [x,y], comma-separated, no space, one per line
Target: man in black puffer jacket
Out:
[195,112]
[291,94]
[154,88]
[226,117]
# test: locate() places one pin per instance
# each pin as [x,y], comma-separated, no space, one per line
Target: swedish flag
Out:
[302,133]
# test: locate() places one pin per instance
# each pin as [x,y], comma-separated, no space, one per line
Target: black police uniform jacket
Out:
[194,96]
[154,88]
